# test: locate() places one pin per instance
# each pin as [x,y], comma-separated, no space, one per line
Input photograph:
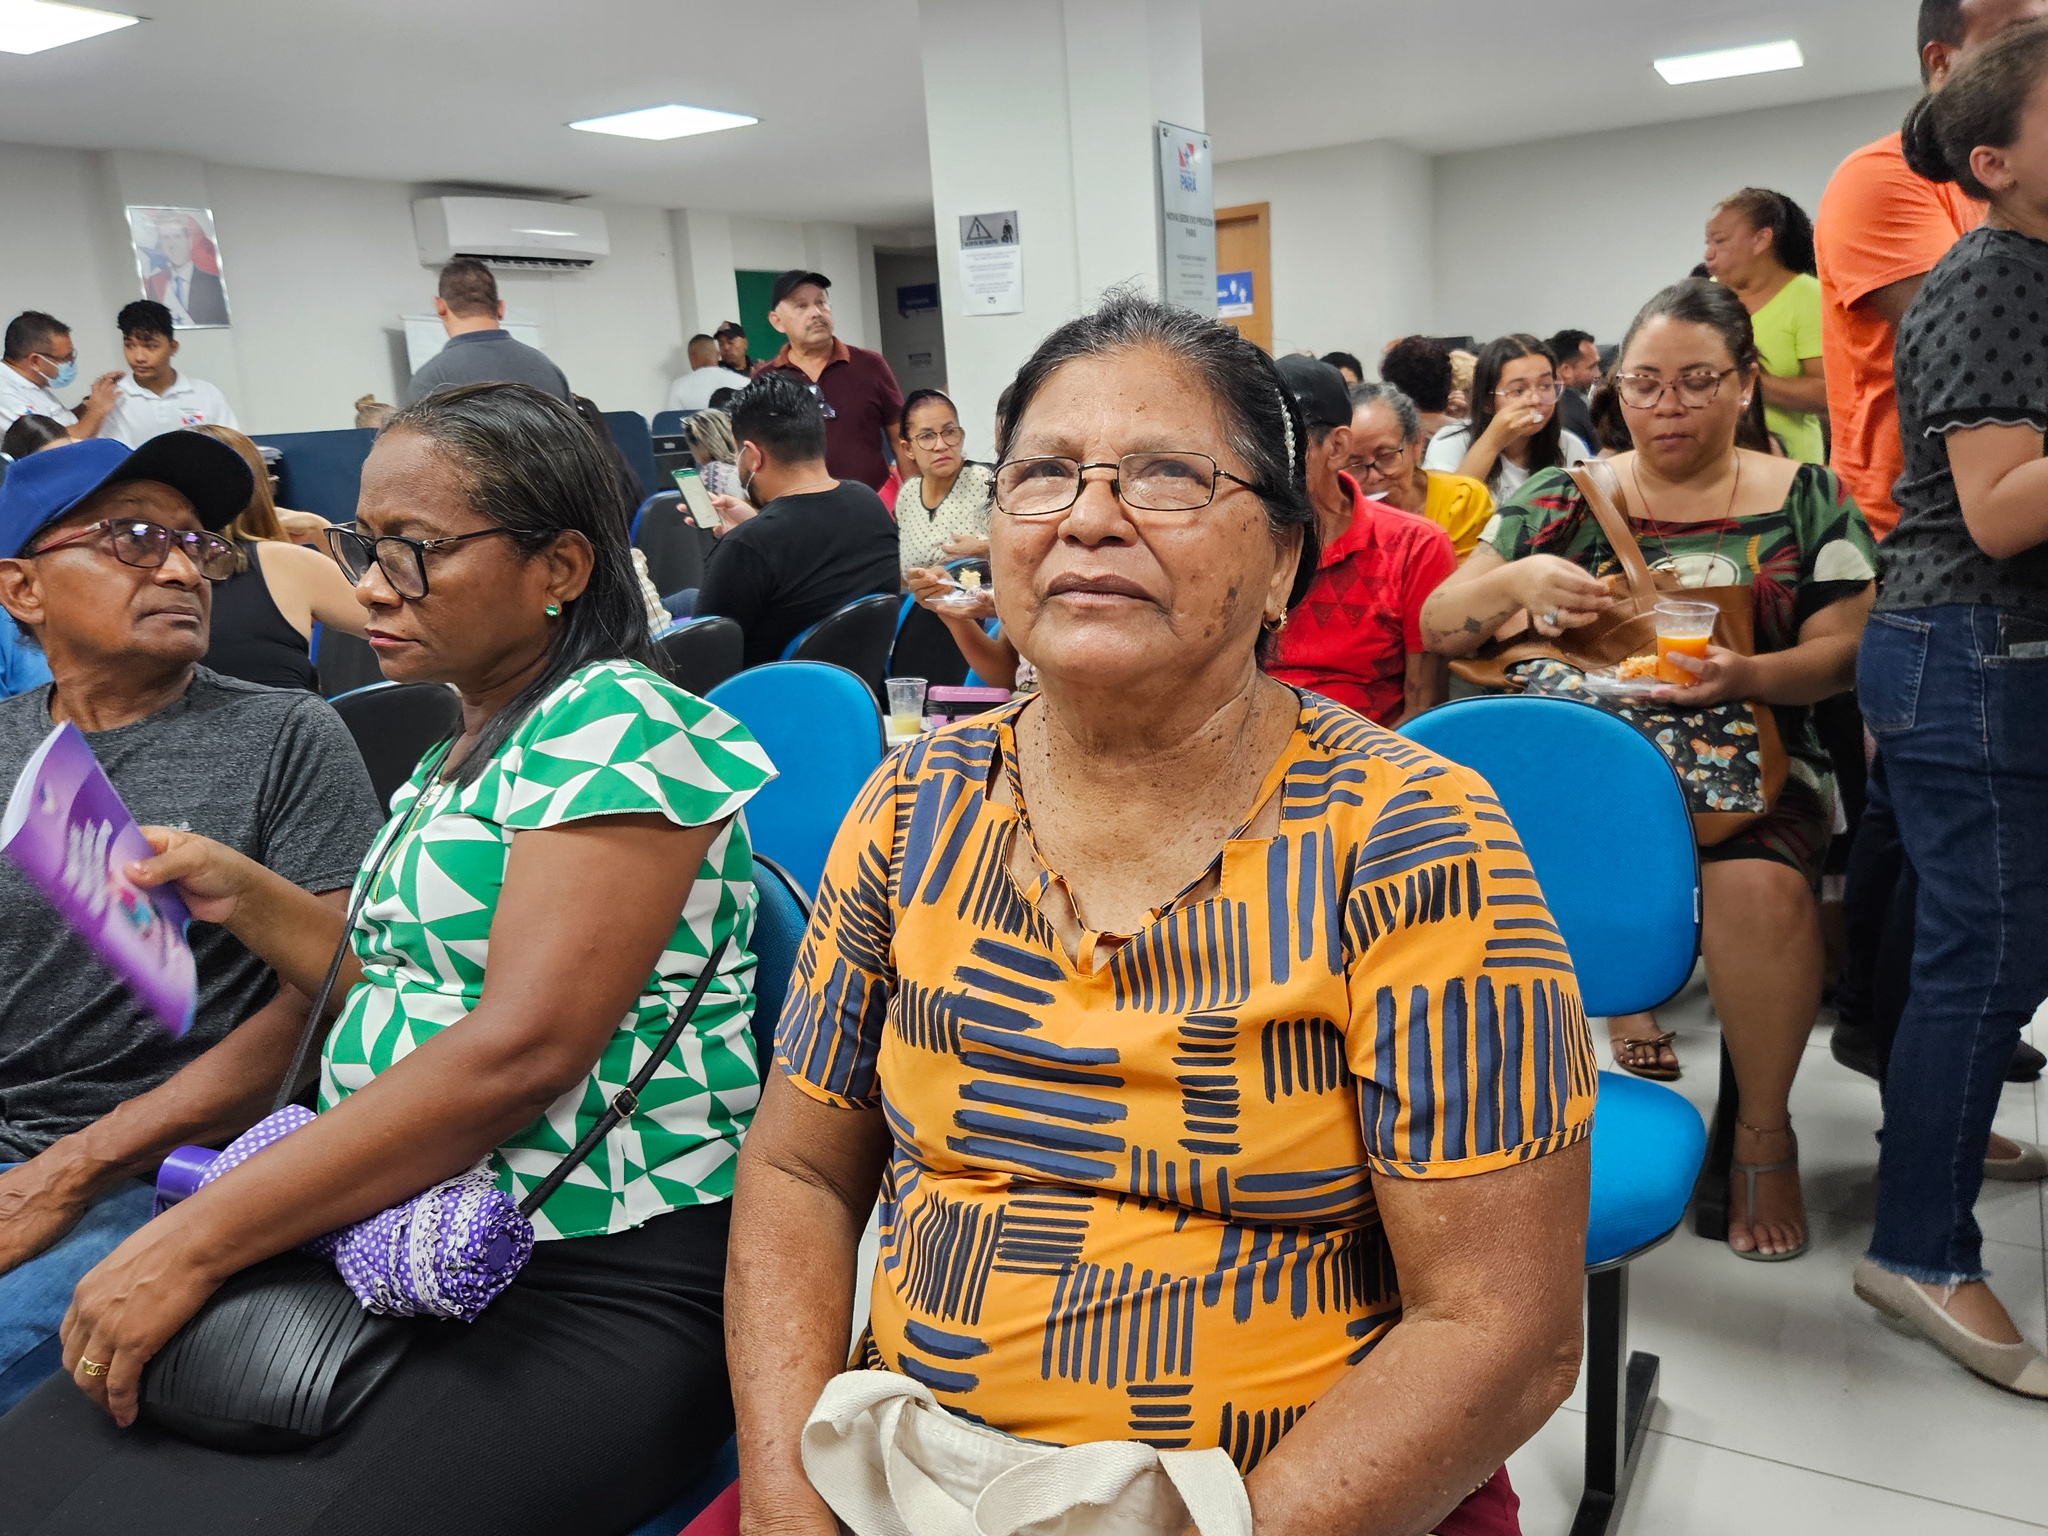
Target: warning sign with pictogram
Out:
[991,264]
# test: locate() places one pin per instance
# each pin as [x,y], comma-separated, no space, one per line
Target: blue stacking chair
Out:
[779,925]
[1605,825]
[321,471]
[629,430]
[669,423]
[822,729]
[394,725]
[857,637]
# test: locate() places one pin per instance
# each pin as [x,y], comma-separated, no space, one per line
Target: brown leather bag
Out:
[1628,629]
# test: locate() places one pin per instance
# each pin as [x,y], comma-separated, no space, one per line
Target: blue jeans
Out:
[1963,731]
[34,1298]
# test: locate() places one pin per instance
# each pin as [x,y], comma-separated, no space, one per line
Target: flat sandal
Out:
[1628,1045]
[1751,1172]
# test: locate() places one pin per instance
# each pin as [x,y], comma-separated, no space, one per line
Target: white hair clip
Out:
[1287,426]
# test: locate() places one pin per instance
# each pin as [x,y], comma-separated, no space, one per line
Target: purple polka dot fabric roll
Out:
[447,1252]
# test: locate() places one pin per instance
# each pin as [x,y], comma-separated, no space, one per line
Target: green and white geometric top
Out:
[613,739]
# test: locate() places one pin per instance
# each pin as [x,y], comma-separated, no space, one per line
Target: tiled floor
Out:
[1785,1404]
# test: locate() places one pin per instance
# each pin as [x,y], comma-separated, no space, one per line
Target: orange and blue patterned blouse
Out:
[1130,1195]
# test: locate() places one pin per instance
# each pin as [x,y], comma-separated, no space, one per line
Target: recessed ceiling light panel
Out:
[30,26]
[669,122]
[1726,63]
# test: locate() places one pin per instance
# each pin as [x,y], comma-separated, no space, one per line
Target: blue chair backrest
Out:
[779,924]
[668,423]
[322,471]
[1604,822]
[822,729]
[629,431]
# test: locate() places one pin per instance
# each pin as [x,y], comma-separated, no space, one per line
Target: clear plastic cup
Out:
[906,706]
[1683,629]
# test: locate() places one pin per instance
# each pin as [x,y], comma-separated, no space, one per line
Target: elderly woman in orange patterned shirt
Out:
[1211,1097]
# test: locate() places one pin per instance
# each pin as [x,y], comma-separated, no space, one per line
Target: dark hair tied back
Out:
[1791,229]
[529,465]
[1983,104]
[919,397]
[1260,418]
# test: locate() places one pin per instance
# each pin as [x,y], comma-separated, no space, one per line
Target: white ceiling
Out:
[479,90]
[1460,74]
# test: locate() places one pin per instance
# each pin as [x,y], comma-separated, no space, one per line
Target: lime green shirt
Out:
[1787,333]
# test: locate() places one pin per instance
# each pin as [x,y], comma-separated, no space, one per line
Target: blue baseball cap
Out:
[44,486]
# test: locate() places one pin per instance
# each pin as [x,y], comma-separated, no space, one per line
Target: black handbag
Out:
[283,1355]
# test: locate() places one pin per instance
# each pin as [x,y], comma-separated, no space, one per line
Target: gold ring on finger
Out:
[92,1367]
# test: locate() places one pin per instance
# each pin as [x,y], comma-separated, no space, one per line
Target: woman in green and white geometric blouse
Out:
[556,877]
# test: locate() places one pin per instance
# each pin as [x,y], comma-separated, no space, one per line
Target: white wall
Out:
[1580,231]
[1350,230]
[1374,241]
[321,268]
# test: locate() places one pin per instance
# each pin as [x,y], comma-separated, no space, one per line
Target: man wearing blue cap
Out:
[107,559]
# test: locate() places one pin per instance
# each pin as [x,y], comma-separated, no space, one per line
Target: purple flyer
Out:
[68,830]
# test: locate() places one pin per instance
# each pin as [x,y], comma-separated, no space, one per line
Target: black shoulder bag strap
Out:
[623,1103]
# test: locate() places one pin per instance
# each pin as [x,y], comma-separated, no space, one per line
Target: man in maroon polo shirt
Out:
[861,399]
[1356,637]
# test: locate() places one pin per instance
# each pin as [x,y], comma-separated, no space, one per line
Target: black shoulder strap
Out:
[627,1099]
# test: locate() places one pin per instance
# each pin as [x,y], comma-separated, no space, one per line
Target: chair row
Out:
[323,471]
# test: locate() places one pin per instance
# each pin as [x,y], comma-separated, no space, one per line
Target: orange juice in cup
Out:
[1683,629]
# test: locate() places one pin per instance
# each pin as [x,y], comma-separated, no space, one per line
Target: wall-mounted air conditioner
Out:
[509,233]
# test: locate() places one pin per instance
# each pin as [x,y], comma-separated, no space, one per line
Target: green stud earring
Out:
[554,610]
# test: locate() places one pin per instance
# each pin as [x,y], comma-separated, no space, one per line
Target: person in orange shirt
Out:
[1880,231]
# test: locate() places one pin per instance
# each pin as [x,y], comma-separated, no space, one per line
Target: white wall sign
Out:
[992,263]
[1187,219]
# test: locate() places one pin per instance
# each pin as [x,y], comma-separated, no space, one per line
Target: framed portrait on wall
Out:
[178,260]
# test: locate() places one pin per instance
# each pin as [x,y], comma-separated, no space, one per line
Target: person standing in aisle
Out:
[1951,678]
[856,389]
[479,349]
[37,357]
[1880,230]
[156,398]
[1760,247]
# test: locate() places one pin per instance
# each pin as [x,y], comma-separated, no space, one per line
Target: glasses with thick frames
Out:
[1385,464]
[146,546]
[1144,482]
[403,561]
[1645,391]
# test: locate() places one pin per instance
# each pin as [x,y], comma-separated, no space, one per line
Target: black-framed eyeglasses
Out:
[1144,482]
[403,561]
[1384,464]
[950,435]
[1645,391]
[146,546]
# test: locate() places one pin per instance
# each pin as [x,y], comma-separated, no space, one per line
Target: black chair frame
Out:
[1621,1389]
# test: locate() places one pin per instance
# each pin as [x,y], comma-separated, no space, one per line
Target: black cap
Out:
[1317,388]
[729,329]
[792,280]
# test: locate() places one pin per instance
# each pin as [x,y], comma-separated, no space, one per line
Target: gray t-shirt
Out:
[271,772]
[487,357]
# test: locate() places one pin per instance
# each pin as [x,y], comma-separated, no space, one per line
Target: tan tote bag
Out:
[1628,629]
[892,1462]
